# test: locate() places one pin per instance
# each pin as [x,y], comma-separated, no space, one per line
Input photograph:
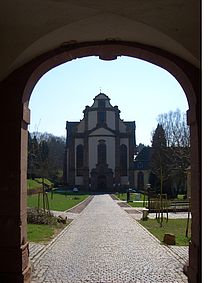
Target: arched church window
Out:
[101,116]
[102,152]
[79,159]
[123,160]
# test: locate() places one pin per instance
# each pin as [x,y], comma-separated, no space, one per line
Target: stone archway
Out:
[15,117]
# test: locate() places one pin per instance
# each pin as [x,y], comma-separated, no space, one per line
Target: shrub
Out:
[35,216]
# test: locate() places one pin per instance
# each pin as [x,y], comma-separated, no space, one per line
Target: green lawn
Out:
[134,199]
[138,204]
[60,202]
[43,233]
[37,183]
[180,197]
[174,226]
[39,232]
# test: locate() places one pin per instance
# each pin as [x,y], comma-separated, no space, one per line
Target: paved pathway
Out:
[136,212]
[104,244]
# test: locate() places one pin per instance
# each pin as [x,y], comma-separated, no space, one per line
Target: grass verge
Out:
[138,204]
[58,202]
[41,233]
[133,196]
[37,183]
[174,226]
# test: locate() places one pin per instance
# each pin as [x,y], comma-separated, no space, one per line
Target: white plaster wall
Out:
[79,180]
[92,119]
[110,119]
[92,146]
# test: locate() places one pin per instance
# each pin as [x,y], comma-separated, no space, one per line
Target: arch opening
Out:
[178,68]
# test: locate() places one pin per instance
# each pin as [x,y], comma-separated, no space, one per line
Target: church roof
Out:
[130,125]
[142,160]
[71,125]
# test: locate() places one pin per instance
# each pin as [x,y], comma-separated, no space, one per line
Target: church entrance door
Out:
[102,183]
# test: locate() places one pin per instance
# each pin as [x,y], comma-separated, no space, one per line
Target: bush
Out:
[35,216]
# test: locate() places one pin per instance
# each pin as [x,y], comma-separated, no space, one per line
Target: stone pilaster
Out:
[117,148]
[194,271]
[14,251]
[72,162]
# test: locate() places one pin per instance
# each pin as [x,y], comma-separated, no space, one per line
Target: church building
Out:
[100,149]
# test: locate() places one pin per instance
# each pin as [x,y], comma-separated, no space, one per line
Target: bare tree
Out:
[176,129]
[45,155]
[178,141]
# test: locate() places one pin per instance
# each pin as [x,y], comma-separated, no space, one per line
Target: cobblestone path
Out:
[104,244]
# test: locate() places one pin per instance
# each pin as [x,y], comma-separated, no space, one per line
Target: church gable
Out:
[101,101]
[101,113]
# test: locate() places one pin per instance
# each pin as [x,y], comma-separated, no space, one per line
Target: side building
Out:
[100,149]
[178,179]
[142,168]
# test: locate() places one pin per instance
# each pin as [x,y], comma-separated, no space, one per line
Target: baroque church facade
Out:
[100,149]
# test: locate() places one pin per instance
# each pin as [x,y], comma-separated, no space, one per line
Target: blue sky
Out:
[141,90]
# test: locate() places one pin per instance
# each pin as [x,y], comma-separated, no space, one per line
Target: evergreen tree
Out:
[159,158]
[56,157]
[159,163]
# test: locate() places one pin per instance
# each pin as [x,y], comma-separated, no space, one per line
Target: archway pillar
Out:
[194,268]
[14,248]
